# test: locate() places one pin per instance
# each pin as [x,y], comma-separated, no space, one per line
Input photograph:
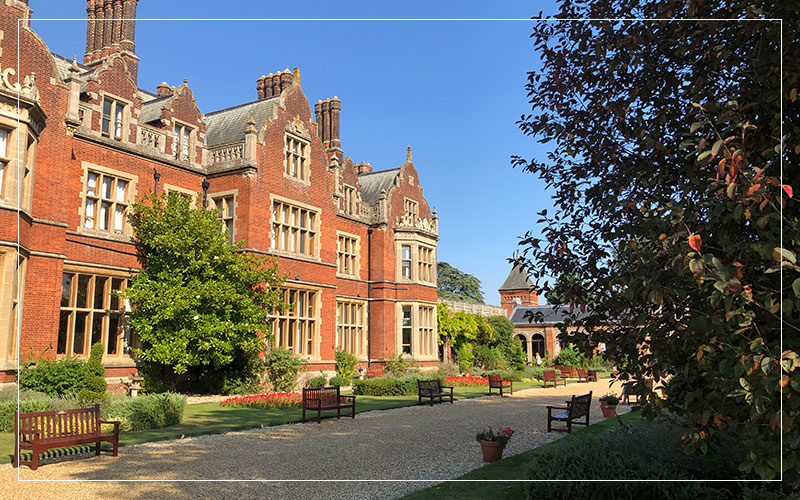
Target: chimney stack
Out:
[260,86]
[327,114]
[364,168]
[163,89]
[286,79]
[111,27]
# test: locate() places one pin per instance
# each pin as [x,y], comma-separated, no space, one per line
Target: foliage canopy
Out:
[458,285]
[673,209]
[199,303]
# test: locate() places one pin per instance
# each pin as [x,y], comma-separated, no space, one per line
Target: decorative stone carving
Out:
[297,128]
[410,221]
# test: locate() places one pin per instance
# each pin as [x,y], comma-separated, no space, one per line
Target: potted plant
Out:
[493,441]
[608,405]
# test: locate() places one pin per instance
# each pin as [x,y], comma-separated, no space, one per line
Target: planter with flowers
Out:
[608,405]
[492,441]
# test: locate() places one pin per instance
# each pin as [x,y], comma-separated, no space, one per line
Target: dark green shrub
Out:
[28,401]
[150,411]
[64,376]
[94,382]
[508,344]
[646,450]
[283,367]
[390,386]
[346,365]
[514,375]
[340,381]
[569,356]
[400,366]
[317,381]
[489,358]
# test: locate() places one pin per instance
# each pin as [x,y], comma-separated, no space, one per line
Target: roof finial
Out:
[185,80]
[296,74]
[408,154]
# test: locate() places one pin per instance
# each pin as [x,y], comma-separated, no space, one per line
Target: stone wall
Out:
[473,308]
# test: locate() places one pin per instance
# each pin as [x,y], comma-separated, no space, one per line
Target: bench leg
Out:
[319,416]
[115,450]
[338,413]
[35,459]
[303,419]
[97,448]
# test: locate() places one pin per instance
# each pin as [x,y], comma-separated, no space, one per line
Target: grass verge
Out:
[211,418]
[510,468]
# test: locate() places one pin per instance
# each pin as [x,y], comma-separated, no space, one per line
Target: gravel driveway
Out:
[419,443]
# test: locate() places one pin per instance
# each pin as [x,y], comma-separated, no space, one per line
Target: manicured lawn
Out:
[515,467]
[211,418]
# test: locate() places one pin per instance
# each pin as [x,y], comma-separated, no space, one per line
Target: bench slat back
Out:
[61,423]
[495,378]
[426,386]
[326,395]
[579,406]
[583,373]
[549,375]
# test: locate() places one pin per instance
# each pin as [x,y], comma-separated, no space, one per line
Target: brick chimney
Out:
[111,28]
[364,168]
[164,89]
[327,114]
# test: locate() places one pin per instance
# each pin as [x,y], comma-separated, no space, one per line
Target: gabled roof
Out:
[372,184]
[228,125]
[517,280]
[151,110]
[546,313]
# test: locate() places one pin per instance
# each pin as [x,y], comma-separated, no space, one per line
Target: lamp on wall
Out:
[156,177]
[205,190]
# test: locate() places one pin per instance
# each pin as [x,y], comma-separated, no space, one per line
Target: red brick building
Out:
[536,325]
[80,142]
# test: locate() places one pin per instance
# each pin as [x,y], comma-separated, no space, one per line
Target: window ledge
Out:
[92,233]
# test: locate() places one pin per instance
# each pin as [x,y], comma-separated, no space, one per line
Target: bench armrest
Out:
[447,387]
[558,408]
[115,423]
[347,397]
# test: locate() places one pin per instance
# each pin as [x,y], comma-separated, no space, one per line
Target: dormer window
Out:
[180,142]
[296,158]
[111,125]
[411,208]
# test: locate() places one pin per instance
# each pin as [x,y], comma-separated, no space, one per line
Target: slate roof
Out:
[228,125]
[517,280]
[151,109]
[549,315]
[371,184]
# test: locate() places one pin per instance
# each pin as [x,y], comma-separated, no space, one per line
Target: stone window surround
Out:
[357,264]
[192,140]
[410,207]
[414,241]
[169,188]
[305,177]
[364,337]
[121,358]
[415,330]
[316,335]
[12,298]
[350,200]
[211,202]
[315,255]
[126,116]
[133,181]
[18,151]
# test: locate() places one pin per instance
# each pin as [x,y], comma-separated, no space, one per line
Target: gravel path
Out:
[413,443]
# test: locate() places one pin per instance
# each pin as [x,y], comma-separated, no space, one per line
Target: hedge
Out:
[390,386]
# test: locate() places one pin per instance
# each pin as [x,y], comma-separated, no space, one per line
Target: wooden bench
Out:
[320,399]
[45,430]
[550,376]
[577,409]
[583,375]
[592,375]
[433,389]
[496,382]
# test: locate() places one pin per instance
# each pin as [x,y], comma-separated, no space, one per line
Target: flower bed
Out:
[456,381]
[270,400]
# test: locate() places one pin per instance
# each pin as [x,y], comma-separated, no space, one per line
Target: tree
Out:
[458,330]
[199,303]
[665,163]
[455,284]
[508,343]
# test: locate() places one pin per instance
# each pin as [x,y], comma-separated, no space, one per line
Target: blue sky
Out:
[452,90]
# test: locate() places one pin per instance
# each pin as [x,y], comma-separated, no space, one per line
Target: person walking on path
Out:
[538,360]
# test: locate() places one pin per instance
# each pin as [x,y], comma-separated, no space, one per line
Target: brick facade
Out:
[96,143]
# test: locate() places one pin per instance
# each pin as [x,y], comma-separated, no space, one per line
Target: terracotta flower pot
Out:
[492,451]
[607,409]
